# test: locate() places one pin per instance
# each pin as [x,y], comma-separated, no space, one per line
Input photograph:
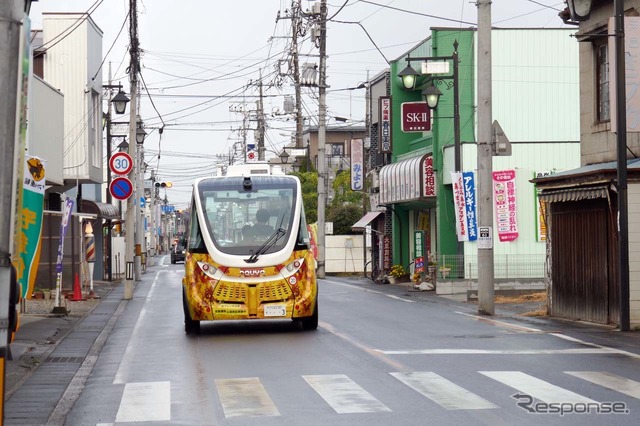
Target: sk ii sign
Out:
[416,117]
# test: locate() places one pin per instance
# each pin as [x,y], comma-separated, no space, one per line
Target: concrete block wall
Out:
[344,254]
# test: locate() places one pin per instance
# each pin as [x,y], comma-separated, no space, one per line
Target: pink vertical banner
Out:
[504,199]
[459,204]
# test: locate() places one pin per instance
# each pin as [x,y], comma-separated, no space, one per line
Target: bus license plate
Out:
[275,310]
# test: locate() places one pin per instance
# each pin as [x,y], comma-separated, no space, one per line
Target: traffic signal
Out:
[164,184]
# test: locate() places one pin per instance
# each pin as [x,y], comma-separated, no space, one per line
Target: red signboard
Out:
[416,117]
[386,253]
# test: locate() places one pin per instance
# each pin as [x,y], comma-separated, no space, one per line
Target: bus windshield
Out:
[240,220]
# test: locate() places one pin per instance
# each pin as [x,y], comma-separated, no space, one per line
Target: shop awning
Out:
[365,220]
[408,180]
[574,194]
[102,210]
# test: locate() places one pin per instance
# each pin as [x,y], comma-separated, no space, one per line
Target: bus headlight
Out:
[294,266]
[209,270]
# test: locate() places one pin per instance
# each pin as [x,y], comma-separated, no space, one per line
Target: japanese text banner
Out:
[504,199]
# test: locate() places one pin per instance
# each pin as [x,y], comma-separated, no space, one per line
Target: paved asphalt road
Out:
[382,355]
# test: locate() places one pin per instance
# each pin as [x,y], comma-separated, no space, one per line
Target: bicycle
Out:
[375,274]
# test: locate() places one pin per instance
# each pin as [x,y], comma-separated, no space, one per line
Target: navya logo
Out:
[252,272]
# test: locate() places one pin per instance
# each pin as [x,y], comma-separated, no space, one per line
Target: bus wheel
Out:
[311,323]
[190,326]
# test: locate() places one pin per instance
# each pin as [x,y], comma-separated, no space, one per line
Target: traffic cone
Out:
[77,291]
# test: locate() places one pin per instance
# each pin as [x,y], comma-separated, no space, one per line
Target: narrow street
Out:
[382,355]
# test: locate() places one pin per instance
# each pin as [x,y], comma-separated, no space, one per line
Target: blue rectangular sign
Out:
[470,204]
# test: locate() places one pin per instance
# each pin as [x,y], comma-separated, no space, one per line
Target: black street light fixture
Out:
[124,146]
[120,101]
[580,10]
[284,156]
[140,135]
[432,94]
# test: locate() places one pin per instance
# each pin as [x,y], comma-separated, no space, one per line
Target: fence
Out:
[506,266]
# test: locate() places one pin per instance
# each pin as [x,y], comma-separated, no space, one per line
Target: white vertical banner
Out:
[357,165]
[459,204]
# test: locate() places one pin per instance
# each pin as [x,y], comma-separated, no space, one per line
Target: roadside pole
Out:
[485,161]
[11,16]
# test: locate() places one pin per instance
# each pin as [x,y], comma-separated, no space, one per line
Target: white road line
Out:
[500,323]
[391,296]
[610,381]
[145,402]
[576,351]
[122,375]
[344,395]
[443,392]
[245,397]
[594,345]
[539,389]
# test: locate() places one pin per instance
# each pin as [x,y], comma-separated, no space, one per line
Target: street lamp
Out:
[580,11]
[284,156]
[432,94]
[119,102]
[140,134]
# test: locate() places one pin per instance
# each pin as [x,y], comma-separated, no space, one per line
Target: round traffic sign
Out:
[121,188]
[120,163]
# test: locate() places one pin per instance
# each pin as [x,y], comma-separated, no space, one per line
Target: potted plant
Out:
[38,294]
[398,274]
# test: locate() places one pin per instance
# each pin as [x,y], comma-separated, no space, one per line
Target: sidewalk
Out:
[41,331]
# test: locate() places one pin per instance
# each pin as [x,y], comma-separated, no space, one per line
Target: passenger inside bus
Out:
[260,228]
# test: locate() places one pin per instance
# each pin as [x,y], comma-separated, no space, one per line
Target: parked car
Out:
[177,253]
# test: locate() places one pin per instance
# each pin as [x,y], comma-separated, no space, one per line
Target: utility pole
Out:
[131,202]
[322,115]
[485,161]
[261,126]
[295,28]
[139,185]
[11,14]
[152,209]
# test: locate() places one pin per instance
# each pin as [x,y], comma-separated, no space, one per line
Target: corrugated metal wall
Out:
[535,84]
[583,267]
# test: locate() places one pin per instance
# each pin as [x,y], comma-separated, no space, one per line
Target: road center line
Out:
[374,352]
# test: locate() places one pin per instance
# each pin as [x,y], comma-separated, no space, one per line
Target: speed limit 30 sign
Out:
[120,163]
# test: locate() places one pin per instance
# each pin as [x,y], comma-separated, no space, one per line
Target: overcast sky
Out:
[194,51]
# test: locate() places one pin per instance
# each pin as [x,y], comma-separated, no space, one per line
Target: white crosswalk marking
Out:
[442,391]
[145,402]
[245,397]
[610,381]
[343,395]
[536,388]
